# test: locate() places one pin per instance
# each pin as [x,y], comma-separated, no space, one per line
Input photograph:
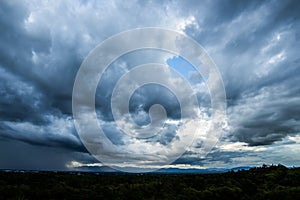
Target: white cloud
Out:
[239,146]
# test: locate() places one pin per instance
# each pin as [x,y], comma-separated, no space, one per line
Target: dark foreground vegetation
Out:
[267,182]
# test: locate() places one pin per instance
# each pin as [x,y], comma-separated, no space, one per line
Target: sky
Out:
[255,45]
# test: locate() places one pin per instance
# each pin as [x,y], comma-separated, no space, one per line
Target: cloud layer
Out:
[255,44]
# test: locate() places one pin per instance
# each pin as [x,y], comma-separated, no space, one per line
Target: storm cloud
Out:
[255,45]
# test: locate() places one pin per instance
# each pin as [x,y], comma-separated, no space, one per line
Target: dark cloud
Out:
[23,156]
[50,77]
[254,45]
[269,120]
[53,135]
[223,158]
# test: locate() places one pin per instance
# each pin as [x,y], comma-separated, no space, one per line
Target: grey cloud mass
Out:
[255,45]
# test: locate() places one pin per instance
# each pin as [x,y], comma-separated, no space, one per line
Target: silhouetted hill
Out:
[192,170]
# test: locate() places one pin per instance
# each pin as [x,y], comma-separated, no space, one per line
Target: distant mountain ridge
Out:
[106,169]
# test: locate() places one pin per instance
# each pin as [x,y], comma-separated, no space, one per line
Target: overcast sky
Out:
[255,45]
